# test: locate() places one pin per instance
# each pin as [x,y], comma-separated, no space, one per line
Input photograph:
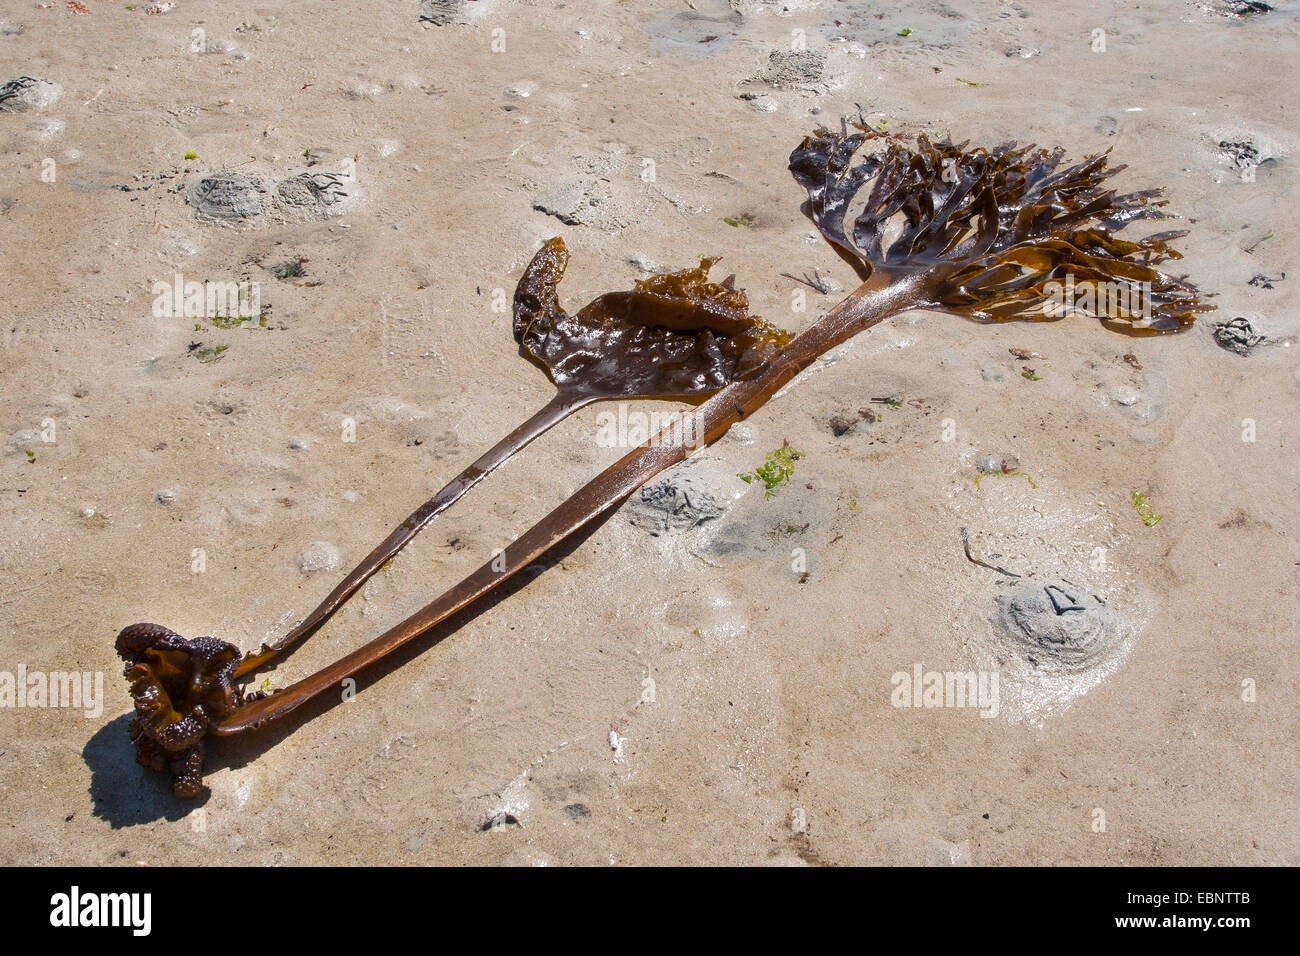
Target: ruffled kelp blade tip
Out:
[180,688]
[673,335]
[1003,234]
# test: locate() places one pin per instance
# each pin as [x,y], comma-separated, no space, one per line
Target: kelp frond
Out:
[677,334]
[1004,233]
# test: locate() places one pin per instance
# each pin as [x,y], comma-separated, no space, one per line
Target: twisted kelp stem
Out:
[883,295]
[564,404]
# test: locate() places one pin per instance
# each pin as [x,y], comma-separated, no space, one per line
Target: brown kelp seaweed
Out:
[980,233]
[993,229]
[674,336]
[180,688]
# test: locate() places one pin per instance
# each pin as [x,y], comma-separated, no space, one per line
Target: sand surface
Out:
[691,696]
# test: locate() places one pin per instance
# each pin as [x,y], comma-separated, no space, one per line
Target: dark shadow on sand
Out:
[121,791]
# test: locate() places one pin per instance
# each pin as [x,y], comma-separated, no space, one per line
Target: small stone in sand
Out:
[318,556]
[1125,395]
[643,262]
[521,89]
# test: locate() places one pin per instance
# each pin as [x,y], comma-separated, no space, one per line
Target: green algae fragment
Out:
[775,471]
[1143,508]
[209,354]
[1008,474]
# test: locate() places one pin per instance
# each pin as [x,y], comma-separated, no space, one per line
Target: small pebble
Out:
[521,89]
[643,262]
[318,556]
[1125,395]
[164,496]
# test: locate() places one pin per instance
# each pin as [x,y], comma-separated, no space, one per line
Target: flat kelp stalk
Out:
[673,336]
[979,233]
